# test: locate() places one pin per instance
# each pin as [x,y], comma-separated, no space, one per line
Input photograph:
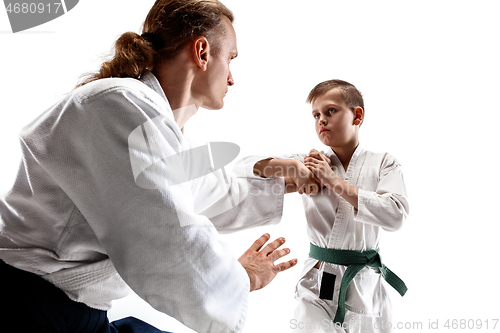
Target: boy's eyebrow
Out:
[329,105]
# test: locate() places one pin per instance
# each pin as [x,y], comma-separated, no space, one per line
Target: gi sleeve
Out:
[387,206]
[167,254]
[247,201]
[251,200]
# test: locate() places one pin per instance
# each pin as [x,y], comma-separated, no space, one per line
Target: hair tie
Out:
[151,38]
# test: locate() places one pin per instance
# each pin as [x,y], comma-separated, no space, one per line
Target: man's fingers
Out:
[286,265]
[273,246]
[257,245]
[275,255]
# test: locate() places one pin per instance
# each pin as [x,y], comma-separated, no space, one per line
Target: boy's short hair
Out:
[351,95]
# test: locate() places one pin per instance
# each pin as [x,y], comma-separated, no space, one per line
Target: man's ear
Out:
[358,115]
[201,52]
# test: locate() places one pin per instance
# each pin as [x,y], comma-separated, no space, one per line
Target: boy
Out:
[359,192]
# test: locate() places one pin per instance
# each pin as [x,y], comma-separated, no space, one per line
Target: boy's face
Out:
[336,125]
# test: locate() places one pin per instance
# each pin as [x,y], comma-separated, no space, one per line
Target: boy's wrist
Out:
[337,184]
[347,191]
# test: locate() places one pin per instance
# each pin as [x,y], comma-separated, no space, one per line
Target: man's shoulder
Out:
[109,86]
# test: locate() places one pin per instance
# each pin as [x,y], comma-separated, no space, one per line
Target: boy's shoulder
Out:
[380,155]
[384,159]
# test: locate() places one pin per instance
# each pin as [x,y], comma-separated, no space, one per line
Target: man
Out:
[98,208]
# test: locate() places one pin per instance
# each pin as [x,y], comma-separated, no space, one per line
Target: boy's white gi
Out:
[79,215]
[334,223]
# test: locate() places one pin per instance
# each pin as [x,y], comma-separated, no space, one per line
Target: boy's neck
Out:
[345,153]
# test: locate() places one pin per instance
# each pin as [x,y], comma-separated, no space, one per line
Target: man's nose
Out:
[230,80]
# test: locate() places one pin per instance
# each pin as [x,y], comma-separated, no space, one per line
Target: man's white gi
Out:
[334,223]
[87,213]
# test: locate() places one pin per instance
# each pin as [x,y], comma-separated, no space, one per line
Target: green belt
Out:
[355,262]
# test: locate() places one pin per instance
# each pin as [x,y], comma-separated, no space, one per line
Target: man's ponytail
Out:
[132,56]
[169,26]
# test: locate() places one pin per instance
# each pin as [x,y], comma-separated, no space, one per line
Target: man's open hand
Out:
[259,262]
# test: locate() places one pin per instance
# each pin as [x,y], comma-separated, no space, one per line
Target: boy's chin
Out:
[325,142]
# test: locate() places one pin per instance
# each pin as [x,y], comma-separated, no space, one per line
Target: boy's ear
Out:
[201,52]
[358,115]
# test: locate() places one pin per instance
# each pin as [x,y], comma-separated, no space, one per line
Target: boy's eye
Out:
[331,110]
[316,116]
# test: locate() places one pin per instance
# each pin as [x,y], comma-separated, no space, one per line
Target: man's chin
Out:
[215,106]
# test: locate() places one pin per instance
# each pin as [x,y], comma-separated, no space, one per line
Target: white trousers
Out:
[315,315]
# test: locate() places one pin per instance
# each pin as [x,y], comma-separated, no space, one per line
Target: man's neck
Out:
[176,79]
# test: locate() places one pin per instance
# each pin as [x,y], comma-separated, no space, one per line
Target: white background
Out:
[429,73]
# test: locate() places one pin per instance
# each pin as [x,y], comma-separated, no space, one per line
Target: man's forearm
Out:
[290,185]
[276,168]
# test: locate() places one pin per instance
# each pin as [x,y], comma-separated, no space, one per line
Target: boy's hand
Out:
[321,168]
[259,262]
[305,180]
[319,156]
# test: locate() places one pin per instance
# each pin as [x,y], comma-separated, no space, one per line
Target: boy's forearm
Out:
[273,167]
[347,191]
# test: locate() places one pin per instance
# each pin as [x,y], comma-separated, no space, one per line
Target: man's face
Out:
[218,75]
